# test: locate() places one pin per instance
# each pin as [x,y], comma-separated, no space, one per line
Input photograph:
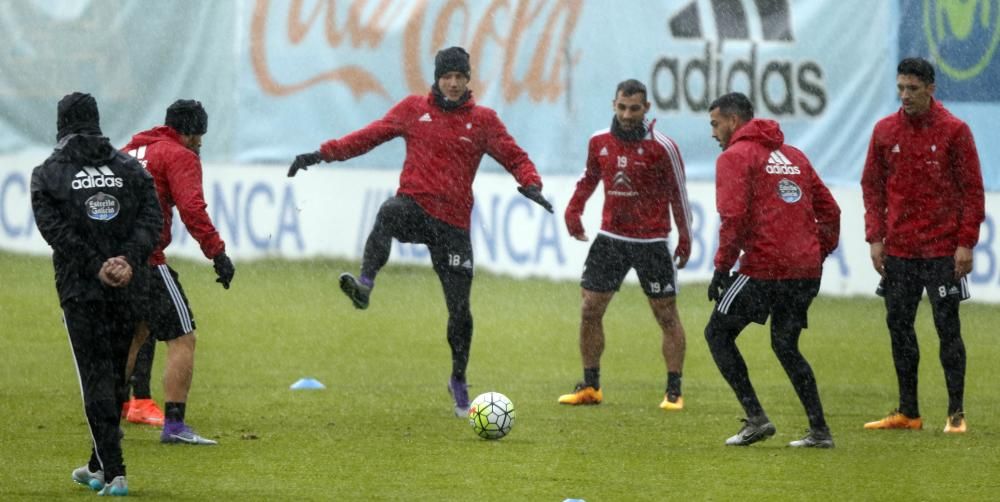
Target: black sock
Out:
[673,383]
[592,377]
[140,391]
[174,412]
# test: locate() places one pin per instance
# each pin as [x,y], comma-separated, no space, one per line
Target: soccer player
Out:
[446,136]
[97,209]
[776,210]
[923,195]
[643,177]
[170,153]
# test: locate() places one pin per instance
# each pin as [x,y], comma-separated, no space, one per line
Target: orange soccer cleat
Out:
[896,420]
[144,411]
[583,394]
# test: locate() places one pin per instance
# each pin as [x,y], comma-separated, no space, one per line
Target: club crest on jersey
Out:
[102,207]
[789,191]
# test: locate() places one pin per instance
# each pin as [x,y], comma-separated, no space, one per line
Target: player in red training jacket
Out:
[446,136]
[776,211]
[643,177]
[924,202]
[170,154]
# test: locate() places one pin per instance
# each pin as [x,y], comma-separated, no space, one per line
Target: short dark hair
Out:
[734,103]
[630,87]
[187,117]
[918,67]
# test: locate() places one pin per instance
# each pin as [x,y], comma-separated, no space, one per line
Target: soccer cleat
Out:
[672,403]
[753,430]
[815,438]
[582,394]
[83,476]
[144,411]
[118,487]
[460,393]
[896,420]
[357,292]
[955,423]
[174,433]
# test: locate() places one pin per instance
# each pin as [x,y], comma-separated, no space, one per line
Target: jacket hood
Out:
[765,132]
[156,134]
[86,149]
[77,114]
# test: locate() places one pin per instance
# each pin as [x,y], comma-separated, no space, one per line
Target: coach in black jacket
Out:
[97,209]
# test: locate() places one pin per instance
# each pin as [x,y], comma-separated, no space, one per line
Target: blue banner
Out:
[961,37]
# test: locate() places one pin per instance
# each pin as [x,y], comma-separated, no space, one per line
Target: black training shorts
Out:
[753,300]
[610,259]
[166,311]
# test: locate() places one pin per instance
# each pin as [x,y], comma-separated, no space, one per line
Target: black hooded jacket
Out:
[92,202]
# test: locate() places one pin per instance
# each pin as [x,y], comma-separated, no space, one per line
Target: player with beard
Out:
[776,211]
[643,177]
[446,135]
[171,154]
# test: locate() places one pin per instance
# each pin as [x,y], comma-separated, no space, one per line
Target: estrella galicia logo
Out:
[961,37]
[779,85]
[789,191]
[102,207]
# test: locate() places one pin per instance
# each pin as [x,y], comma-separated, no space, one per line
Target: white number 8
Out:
[942,291]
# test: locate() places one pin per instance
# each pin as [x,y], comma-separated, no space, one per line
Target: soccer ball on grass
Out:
[491,415]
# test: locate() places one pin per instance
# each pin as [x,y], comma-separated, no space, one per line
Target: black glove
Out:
[303,162]
[721,280]
[534,193]
[224,269]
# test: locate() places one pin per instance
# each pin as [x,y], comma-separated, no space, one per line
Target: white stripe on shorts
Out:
[183,315]
[732,293]
[964,283]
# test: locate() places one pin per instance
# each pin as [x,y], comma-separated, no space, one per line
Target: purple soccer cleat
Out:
[460,392]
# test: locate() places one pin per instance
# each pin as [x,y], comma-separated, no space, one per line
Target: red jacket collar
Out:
[468,105]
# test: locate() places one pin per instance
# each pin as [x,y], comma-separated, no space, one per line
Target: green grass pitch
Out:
[383,428]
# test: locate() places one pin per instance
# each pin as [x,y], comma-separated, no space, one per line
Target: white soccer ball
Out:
[491,415]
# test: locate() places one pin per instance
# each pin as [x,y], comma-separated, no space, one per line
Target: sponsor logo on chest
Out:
[102,207]
[789,191]
[777,163]
[96,177]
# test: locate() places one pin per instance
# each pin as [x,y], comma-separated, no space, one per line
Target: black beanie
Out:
[77,113]
[187,117]
[451,59]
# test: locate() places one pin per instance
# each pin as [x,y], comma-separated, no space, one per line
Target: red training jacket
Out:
[922,185]
[176,171]
[773,207]
[443,151]
[643,181]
